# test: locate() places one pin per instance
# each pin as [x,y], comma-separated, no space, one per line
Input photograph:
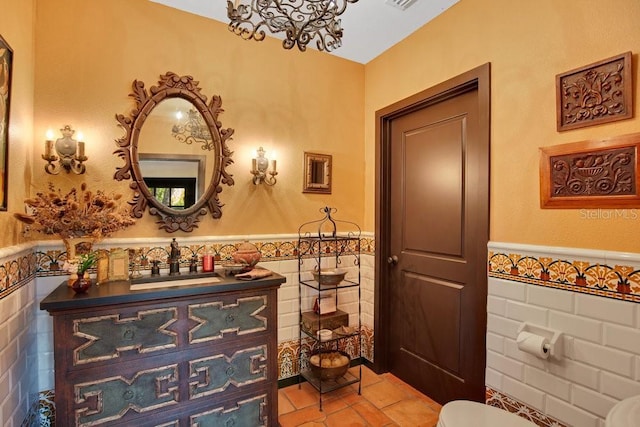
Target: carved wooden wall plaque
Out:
[591,174]
[597,93]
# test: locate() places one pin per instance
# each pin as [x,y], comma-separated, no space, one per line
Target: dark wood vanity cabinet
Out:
[202,355]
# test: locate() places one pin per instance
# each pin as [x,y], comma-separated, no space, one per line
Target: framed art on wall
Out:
[591,174]
[6,71]
[118,265]
[594,94]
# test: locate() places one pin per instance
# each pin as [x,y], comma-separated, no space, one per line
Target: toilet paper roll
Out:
[533,344]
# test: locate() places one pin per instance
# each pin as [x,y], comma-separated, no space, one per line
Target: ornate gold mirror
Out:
[175,152]
[317,173]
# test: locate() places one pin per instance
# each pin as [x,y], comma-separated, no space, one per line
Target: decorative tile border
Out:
[621,282]
[46,409]
[501,401]
[17,270]
[49,262]
[19,264]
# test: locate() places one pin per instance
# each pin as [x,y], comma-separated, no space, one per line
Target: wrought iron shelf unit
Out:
[335,267]
[346,283]
[334,336]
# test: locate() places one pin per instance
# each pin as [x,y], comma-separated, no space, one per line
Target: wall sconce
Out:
[259,169]
[69,152]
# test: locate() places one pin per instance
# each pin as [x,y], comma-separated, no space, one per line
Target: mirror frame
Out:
[309,186]
[6,63]
[172,85]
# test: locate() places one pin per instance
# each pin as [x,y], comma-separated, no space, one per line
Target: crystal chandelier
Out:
[302,21]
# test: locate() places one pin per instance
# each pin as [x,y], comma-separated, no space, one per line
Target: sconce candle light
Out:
[259,169]
[67,151]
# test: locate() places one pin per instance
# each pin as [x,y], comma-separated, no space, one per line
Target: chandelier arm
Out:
[301,20]
[311,28]
[240,18]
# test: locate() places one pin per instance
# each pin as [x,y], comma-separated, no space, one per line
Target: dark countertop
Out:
[119,292]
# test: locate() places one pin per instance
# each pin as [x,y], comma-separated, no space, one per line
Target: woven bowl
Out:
[330,372]
[329,277]
[231,269]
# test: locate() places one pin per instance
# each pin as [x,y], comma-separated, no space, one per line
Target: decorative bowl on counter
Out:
[327,277]
[247,254]
[329,364]
[231,269]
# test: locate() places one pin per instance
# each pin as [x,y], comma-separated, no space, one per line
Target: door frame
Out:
[478,79]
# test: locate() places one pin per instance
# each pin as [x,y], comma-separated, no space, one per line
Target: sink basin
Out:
[171,282]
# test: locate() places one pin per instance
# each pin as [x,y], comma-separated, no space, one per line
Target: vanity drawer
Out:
[246,410]
[180,357]
[163,383]
[137,331]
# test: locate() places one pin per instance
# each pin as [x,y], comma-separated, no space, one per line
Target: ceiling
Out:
[370,26]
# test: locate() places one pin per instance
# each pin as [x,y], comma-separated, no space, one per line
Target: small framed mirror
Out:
[317,173]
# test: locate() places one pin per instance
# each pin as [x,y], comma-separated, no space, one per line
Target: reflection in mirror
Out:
[176,143]
[176,150]
[181,175]
[317,173]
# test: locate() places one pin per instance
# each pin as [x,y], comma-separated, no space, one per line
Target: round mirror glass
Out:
[176,154]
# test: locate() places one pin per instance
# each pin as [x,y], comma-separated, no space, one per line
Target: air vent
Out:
[401,4]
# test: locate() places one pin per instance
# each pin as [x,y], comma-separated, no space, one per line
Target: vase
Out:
[82,284]
[72,279]
[247,254]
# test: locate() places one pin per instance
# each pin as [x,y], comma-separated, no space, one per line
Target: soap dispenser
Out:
[174,258]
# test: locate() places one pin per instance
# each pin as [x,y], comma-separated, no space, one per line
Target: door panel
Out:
[435,161]
[432,336]
[433,157]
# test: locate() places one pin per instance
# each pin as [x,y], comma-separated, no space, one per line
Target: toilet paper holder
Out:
[555,345]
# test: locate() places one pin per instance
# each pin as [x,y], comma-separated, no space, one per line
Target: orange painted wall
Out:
[74,71]
[16,27]
[527,44]
[89,52]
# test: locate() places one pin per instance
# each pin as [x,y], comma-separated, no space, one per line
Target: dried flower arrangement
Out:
[77,213]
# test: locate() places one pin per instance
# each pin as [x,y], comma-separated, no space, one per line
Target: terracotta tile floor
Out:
[384,401]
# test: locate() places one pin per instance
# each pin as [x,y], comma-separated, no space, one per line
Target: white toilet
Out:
[625,413]
[463,413]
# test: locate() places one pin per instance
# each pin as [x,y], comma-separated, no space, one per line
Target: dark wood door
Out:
[436,242]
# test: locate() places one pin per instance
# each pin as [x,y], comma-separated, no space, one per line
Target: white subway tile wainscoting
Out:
[593,303]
